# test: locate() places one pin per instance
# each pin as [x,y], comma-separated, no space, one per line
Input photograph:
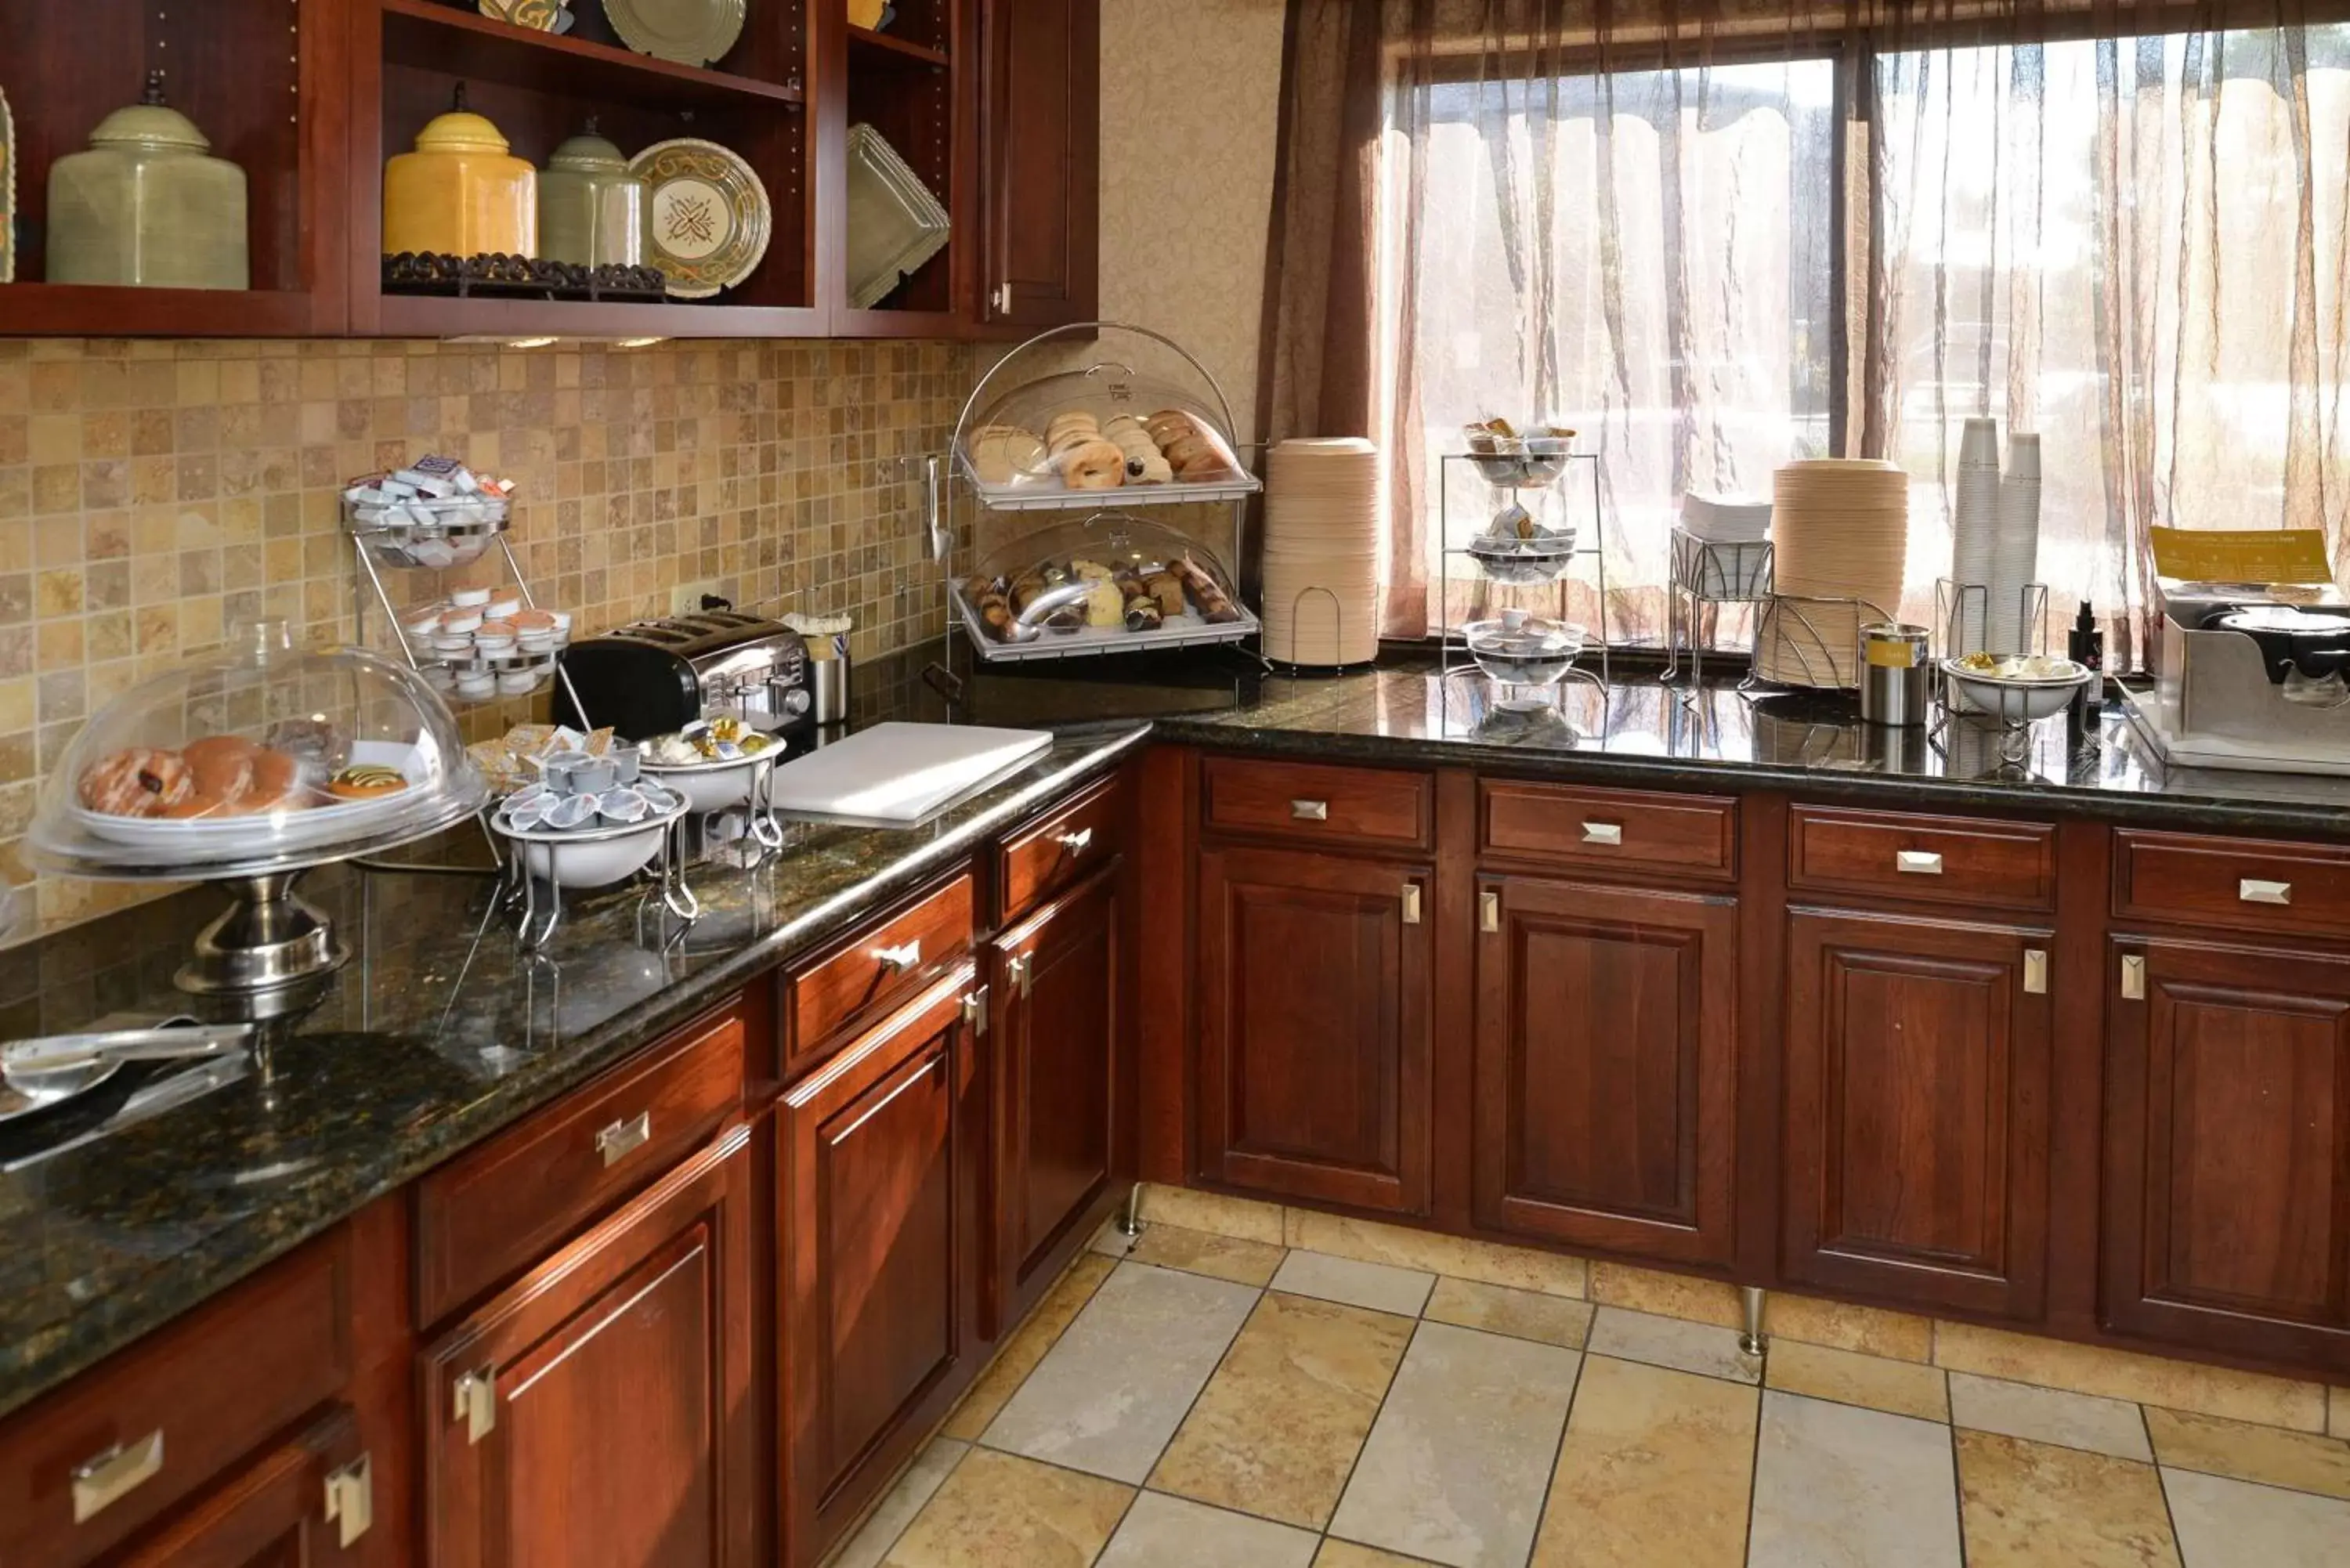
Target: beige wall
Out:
[155,495]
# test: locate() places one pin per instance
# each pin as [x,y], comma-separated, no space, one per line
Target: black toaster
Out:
[658,675]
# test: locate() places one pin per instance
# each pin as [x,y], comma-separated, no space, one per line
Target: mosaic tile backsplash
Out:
[156,494]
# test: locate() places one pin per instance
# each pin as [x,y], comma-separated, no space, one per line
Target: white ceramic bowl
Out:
[710,786]
[2017,699]
[589,857]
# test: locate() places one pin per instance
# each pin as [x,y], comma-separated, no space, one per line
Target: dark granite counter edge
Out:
[73,1347]
[2213,812]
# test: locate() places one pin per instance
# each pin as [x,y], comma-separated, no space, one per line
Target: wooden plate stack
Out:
[1839,529]
[1322,552]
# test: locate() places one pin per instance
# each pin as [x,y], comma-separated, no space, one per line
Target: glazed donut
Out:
[223,768]
[1095,465]
[204,802]
[140,782]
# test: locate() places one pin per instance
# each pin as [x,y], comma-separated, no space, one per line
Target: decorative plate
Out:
[544,16]
[7,194]
[691,31]
[706,215]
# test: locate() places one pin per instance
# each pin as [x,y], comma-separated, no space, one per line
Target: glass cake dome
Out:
[259,759]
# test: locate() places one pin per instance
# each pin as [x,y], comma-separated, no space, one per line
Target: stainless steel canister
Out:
[829,677]
[1893,666]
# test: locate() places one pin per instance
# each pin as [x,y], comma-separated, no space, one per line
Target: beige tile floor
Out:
[1206,1401]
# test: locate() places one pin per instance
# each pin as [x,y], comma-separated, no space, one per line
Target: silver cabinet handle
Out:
[104,1479]
[1918,862]
[1603,832]
[477,1403]
[1021,971]
[975,1010]
[2035,971]
[2252,890]
[1077,843]
[2133,978]
[901,958]
[1309,811]
[350,1500]
[622,1139]
[1488,913]
[1412,903]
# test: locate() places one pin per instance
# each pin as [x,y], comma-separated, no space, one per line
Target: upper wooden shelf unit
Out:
[312,127]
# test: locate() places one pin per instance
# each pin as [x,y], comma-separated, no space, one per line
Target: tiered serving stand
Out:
[971,521]
[1513,475]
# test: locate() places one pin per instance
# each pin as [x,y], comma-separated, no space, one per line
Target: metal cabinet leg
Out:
[1750,1339]
[1129,1223]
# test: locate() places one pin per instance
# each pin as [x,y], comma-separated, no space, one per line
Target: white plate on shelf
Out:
[218,839]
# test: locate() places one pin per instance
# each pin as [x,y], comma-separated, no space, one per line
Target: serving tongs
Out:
[40,1073]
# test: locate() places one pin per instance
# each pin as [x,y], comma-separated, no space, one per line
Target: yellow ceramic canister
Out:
[461,193]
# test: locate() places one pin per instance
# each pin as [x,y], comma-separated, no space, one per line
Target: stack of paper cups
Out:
[2015,547]
[1974,527]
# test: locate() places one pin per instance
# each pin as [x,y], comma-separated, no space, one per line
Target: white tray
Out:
[1182,631]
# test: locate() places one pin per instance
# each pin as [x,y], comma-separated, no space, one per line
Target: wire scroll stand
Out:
[1962,624]
[1551,570]
[1702,576]
[1805,640]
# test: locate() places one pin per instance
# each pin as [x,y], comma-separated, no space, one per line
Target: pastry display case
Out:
[245,768]
[1105,440]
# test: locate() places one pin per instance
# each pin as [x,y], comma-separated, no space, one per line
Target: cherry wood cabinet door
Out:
[1315,1026]
[2227,1185]
[1057,995]
[273,1513]
[1606,1067]
[600,1412]
[1916,1149]
[1041,140]
[879,1236]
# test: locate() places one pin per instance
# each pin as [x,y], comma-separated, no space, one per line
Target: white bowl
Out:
[713,785]
[2017,699]
[591,856]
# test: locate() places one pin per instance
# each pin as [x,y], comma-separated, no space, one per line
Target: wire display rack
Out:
[1517,574]
[1703,575]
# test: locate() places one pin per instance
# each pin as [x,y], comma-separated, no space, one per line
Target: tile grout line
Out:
[2162,1485]
[1957,1493]
[1754,1456]
[1376,1411]
[1550,1480]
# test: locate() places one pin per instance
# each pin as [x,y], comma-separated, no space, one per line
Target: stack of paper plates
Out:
[1322,552]
[1839,530]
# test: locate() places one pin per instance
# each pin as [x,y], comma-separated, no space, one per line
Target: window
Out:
[2135,246]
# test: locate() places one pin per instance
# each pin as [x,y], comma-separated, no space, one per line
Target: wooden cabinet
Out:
[880,1153]
[602,1408]
[1915,1159]
[1041,146]
[1058,995]
[1315,1026]
[1606,1067]
[308,1502]
[2227,1172]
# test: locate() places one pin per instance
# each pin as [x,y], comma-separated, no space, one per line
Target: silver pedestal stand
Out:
[1704,575]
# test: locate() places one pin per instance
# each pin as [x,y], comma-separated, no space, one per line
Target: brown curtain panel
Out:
[1715,238]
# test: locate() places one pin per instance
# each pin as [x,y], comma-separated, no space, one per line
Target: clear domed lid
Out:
[261,757]
[1106,427]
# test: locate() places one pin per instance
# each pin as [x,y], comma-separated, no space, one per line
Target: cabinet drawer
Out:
[875,967]
[1933,859]
[1317,802]
[1692,835]
[505,1205]
[119,1446]
[1058,851]
[2245,884]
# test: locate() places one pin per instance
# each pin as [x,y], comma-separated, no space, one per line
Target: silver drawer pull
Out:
[1603,832]
[1078,842]
[623,1138]
[107,1478]
[1918,862]
[1309,810]
[2252,890]
[477,1403]
[901,958]
[350,1500]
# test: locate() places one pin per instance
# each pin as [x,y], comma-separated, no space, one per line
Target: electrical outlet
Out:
[688,598]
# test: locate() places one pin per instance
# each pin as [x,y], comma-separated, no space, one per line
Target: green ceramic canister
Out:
[590,208]
[146,205]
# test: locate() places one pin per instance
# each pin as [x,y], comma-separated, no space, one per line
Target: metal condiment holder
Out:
[1961,626]
[1709,572]
[1595,551]
[1785,621]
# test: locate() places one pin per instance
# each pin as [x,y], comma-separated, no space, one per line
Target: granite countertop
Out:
[441,1030]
